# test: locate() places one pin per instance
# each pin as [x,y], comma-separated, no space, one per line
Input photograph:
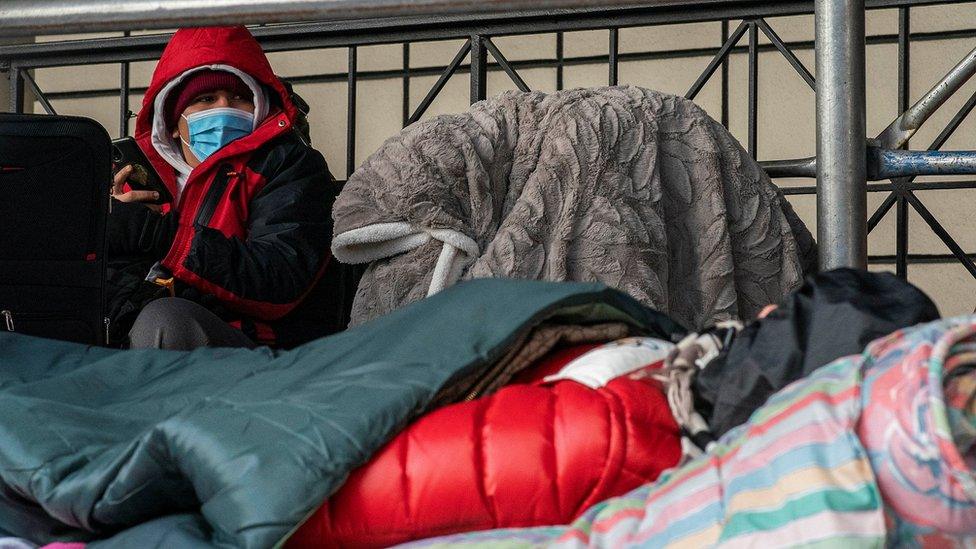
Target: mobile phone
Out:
[126,151]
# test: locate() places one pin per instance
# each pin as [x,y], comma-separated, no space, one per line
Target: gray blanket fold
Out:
[640,190]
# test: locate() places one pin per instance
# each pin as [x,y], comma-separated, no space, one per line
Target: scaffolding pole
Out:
[841,139]
[43,17]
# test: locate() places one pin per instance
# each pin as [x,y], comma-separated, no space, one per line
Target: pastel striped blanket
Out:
[870,451]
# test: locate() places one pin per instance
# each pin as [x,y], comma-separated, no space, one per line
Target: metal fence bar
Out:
[441,82]
[841,140]
[437,70]
[904,60]
[614,56]
[405,116]
[124,96]
[351,111]
[497,54]
[901,236]
[889,187]
[800,167]
[797,65]
[16,91]
[933,186]
[940,231]
[479,66]
[43,60]
[917,258]
[305,36]
[904,90]
[38,94]
[717,60]
[124,100]
[954,123]
[341,77]
[882,211]
[753,133]
[725,76]
[560,66]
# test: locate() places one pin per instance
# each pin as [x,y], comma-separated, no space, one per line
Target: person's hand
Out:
[144,197]
[766,310]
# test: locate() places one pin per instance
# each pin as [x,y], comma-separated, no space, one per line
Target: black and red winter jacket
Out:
[250,232]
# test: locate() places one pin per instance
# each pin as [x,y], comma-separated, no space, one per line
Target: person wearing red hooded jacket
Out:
[241,254]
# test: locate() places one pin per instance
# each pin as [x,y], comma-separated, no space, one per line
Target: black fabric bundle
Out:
[834,314]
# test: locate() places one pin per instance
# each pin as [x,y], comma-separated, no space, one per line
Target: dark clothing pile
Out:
[834,314]
[718,377]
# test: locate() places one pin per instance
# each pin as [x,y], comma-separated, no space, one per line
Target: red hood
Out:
[191,48]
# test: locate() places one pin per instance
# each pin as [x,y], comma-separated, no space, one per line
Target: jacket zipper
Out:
[9,317]
[205,211]
[486,379]
[179,248]
[209,205]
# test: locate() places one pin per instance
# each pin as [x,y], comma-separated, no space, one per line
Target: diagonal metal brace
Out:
[506,66]
[901,129]
[38,94]
[713,65]
[883,158]
[791,57]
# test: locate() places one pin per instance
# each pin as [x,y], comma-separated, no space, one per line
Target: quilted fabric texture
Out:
[873,450]
[531,454]
[222,447]
[637,189]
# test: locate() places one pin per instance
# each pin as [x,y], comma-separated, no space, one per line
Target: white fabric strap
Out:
[442,270]
[598,367]
[382,240]
[692,354]
[376,241]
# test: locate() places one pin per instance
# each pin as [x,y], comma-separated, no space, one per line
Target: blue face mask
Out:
[213,128]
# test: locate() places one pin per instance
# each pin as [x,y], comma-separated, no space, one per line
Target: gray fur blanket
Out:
[634,188]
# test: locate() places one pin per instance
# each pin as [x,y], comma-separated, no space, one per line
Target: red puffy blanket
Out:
[534,453]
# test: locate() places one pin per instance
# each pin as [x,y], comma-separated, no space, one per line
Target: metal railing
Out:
[881,162]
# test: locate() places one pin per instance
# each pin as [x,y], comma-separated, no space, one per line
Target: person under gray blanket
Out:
[637,189]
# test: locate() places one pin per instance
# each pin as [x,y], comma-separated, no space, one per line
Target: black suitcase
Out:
[55,177]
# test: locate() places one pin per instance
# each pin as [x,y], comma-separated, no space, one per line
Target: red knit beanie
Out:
[197,84]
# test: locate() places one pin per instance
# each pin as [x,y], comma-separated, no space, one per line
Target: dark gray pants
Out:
[181,325]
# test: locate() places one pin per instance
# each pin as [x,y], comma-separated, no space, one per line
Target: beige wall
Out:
[786,107]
